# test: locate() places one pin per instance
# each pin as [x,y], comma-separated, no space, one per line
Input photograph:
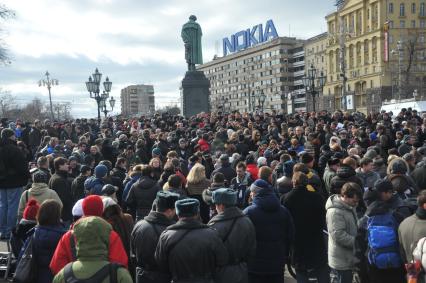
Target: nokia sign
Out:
[250,37]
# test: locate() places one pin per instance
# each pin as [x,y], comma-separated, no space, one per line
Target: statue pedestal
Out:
[195,91]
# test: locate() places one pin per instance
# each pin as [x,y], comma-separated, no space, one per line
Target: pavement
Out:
[3,248]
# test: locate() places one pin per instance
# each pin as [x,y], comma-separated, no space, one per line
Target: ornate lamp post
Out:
[93,87]
[262,99]
[49,82]
[310,86]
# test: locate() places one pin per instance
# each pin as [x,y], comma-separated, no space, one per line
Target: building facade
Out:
[271,70]
[316,57]
[375,52]
[137,100]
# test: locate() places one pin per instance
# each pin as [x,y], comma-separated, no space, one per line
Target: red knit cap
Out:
[31,209]
[93,206]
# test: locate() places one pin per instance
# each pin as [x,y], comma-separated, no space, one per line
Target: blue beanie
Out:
[288,168]
[224,196]
[101,171]
[156,151]
[187,207]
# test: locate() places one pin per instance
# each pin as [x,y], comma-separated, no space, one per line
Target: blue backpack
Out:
[383,241]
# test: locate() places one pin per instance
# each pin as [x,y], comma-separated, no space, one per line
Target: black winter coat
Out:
[274,233]
[237,233]
[190,252]
[61,184]
[419,176]
[227,171]
[345,174]
[141,196]
[77,188]
[308,212]
[144,240]
[16,168]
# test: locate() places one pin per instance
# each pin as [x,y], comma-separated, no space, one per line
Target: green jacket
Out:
[92,234]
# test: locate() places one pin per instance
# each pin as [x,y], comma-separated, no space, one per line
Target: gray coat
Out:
[237,233]
[342,229]
[190,252]
[410,231]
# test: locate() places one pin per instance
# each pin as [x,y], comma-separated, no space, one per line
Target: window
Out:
[422,24]
[402,10]
[402,24]
[413,23]
[390,24]
[390,8]
[422,9]
[413,8]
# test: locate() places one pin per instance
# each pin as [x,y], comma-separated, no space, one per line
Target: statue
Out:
[191,35]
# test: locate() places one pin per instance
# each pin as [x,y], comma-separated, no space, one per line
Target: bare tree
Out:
[412,47]
[5,14]
[6,102]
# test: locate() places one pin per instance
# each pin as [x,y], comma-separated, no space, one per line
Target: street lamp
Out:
[48,82]
[93,87]
[313,83]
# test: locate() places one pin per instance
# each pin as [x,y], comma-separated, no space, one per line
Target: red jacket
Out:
[204,145]
[63,255]
[254,171]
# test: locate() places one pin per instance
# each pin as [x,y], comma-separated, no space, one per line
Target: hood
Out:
[345,172]
[38,188]
[92,234]
[267,200]
[334,201]
[92,181]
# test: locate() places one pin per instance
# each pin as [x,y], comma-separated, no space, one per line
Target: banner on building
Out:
[350,102]
[386,43]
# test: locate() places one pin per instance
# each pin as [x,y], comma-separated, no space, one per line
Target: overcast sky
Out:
[131,41]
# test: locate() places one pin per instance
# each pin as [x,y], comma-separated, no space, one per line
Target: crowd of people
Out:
[340,197]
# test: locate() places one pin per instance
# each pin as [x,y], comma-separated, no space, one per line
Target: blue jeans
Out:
[341,276]
[9,202]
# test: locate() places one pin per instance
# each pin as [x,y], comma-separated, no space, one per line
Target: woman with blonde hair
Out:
[156,168]
[197,182]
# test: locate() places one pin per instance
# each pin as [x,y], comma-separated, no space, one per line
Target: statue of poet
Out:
[191,35]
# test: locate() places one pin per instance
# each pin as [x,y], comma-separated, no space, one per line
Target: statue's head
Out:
[192,18]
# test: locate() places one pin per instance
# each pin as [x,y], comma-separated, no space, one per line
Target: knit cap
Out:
[261,161]
[101,171]
[258,185]
[93,206]
[6,133]
[77,209]
[31,209]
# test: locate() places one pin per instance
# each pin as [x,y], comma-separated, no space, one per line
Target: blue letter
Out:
[243,45]
[228,45]
[270,31]
[252,39]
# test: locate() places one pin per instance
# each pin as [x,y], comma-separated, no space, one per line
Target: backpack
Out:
[383,241]
[26,268]
[109,269]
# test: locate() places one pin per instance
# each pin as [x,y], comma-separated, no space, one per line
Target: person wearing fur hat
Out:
[190,251]
[145,235]
[237,233]
[65,251]
[274,232]
[14,177]
[308,212]
[39,191]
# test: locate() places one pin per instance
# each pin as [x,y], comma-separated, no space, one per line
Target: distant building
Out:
[274,68]
[137,100]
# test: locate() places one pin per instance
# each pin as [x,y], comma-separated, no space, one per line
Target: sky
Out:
[130,41]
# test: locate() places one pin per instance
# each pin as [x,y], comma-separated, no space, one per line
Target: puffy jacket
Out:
[342,230]
[93,246]
[274,233]
[141,196]
[240,242]
[93,185]
[77,187]
[45,240]
[403,184]
[40,192]
[63,254]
